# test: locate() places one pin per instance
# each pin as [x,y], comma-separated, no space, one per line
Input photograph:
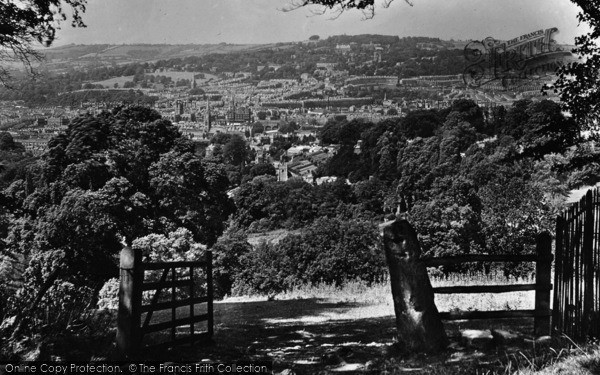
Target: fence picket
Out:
[577,290]
[543,275]
[558,287]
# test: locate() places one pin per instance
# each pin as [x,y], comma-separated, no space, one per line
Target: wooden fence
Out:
[542,287]
[576,310]
[180,278]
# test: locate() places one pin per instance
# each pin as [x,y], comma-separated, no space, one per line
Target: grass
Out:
[379,293]
[109,83]
[572,359]
[327,329]
[483,301]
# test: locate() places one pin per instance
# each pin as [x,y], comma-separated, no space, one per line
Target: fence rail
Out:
[542,286]
[179,278]
[460,259]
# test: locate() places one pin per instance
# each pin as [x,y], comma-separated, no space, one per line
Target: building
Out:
[239,115]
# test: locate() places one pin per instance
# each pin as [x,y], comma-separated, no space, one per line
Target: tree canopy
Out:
[109,178]
[579,82]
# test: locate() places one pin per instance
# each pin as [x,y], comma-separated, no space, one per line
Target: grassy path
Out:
[318,336]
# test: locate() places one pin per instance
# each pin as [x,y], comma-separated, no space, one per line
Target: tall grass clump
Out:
[563,356]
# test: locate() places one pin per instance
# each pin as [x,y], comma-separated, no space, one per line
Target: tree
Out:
[7,143]
[388,153]
[421,123]
[257,128]
[579,82]
[227,253]
[392,112]
[288,127]
[24,22]
[540,127]
[420,328]
[112,177]
[221,138]
[262,115]
[191,193]
[235,150]
[261,169]
[548,130]
[196,91]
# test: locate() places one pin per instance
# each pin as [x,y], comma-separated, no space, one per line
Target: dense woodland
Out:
[471,181]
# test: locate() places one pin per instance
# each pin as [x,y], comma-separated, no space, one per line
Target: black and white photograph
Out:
[299,187]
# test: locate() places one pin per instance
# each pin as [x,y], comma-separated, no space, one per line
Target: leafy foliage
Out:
[120,176]
[330,251]
[28,21]
[228,253]
[470,181]
[339,6]
[579,82]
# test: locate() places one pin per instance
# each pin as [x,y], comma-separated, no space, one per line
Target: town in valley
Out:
[271,95]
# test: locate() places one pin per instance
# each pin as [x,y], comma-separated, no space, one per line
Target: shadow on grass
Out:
[292,330]
[313,335]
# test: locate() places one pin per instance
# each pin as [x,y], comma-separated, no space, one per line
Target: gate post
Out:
[543,270]
[130,301]
[209,292]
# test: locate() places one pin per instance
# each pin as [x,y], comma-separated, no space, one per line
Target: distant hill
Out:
[128,53]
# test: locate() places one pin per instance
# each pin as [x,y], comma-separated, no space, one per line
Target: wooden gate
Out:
[576,310]
[180,282]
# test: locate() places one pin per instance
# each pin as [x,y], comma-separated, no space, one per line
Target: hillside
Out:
[129,53]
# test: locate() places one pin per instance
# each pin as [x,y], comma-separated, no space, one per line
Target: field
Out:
[129,53]
[109,83]
[324,329]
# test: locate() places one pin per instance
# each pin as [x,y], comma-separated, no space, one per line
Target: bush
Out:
[62,307]
[64,304]
[329,251]
[179,245]
[227,252]
[108,297]
[263,271]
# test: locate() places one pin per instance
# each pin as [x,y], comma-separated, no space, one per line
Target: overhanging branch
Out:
[337,7]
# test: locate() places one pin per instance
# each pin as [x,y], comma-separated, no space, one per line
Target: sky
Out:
[265,21]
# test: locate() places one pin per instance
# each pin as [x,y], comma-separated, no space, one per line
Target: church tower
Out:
[282,172]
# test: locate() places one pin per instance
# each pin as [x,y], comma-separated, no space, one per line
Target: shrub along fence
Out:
[542,286]
[180,278]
